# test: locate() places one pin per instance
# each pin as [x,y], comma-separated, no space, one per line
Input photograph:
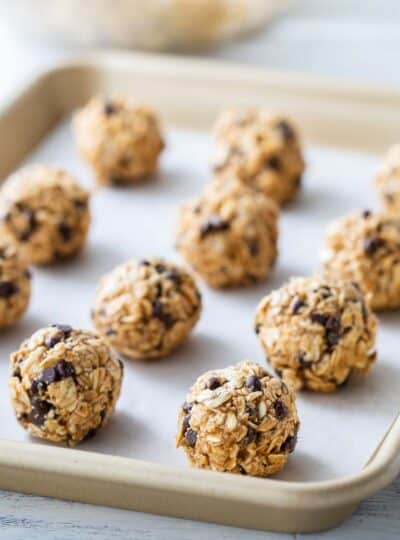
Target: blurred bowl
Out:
[145,24]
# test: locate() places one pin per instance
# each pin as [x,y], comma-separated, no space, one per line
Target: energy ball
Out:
[239,420]
[387,180]
[365,247]
[120,139]
[229,235]
[15,284]
[316,332]
[261,149]
[45,212]
[146,309]
[64,384]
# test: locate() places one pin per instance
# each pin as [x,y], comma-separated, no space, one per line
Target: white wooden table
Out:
[339,38]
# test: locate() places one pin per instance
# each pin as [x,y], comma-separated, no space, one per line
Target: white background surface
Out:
[340,38]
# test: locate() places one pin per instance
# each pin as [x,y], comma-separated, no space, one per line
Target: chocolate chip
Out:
[318,318]
[372,244]
[281,411]
[186,422]
[110,332]
[39,411]
[254,247]
[332,326]
[278,372]
[48,376]
[144,262]
[325,291]
[80,204]
[110,108]
[160,314]
[35,387]
[289,444]
[160,268]
[366,214]
[51,341]
[302,360]
[298,180]
[121,365]
[7,289]
[65,231]
[257,329]
[333,330]
[251,436]
[187,406]
[64,328]
[213,383]
[273,162]
[16,373]
[214,224]
[30,218]
[174,275]
[298,304]
[191,437]
[286,130]
[64,369]
[253,383]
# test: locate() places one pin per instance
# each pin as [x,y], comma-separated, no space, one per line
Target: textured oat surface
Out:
[260,148]
[316,332]
[229,234]
[64,384]
[387,181]
[15,284]
[365,247]
[45,212]
[119,138]
[146,309]
[240,420]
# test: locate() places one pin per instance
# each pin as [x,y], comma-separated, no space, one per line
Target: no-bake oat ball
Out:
[262,149]
[229,235]
[120,138]
[240,420]
[146,309]
[387,180]
[365,247]
[15,284]
[316,332]
[64,384]
[45,212]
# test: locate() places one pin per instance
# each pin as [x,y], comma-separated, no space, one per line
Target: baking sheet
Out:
[339,431]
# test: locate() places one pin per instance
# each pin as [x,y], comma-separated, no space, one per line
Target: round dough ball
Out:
[316,331]
[146,309]
[45,212]
[229,235]
[120,139]
[240,420]
[15,284]
[262,150]
[64,384]
[365,247]
[388,180]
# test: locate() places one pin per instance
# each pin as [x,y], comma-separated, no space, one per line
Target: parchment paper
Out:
[339,432]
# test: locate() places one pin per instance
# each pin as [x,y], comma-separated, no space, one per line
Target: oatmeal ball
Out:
[146,309]
[365,247]
[15,284]
[45,212]
[316,332]
[229,235]
[240,420]
[387,180]
[64,384]
[119,138]
[261,149]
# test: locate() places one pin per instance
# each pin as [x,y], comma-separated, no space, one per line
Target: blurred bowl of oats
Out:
[149,24]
